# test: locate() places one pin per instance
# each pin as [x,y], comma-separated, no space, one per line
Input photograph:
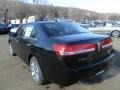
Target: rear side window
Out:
[20,31]
[27,31]
[62,28]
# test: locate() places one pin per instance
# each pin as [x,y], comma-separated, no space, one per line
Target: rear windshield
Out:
[62,28]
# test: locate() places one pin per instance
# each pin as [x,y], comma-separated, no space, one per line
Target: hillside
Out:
[22,10]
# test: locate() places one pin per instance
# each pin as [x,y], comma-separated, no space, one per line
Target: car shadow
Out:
[3,33]
[113,71]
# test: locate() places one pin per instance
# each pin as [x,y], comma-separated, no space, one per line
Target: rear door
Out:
[25,42]
[95,29]
[106,29]
[15,40]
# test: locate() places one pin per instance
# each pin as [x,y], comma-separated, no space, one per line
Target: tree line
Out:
[16,9]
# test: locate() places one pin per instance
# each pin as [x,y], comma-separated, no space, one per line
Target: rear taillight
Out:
[68,50]
[106,43]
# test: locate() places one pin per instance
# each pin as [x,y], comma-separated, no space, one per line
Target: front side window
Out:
[62,28]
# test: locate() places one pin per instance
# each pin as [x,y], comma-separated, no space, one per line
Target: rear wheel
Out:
[11,50]
[36,72]
[116,33]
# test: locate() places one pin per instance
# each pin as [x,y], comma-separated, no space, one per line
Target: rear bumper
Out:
[55,70]
[92,70]
[71,76]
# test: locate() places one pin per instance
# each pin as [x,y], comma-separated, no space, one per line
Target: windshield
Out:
[62,28]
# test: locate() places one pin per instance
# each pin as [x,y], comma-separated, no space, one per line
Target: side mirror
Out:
[13,32]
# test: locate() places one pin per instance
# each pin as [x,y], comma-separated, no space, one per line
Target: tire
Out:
[36,72]
[116,33]
[11,50]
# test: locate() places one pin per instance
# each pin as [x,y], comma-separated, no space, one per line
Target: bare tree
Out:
[16,9]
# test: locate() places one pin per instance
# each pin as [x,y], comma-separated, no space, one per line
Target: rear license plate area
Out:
[99,73]
[97,70]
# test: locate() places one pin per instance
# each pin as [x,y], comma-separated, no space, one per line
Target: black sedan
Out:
[3,28]
[61,52]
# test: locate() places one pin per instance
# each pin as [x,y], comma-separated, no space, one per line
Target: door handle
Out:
[28,44]
[17,40]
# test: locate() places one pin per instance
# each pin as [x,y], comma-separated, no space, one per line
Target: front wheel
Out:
[36,72]
[116,33]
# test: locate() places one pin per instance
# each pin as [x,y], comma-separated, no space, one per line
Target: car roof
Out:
[39,22]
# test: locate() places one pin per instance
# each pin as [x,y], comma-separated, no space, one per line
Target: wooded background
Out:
[13,9]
